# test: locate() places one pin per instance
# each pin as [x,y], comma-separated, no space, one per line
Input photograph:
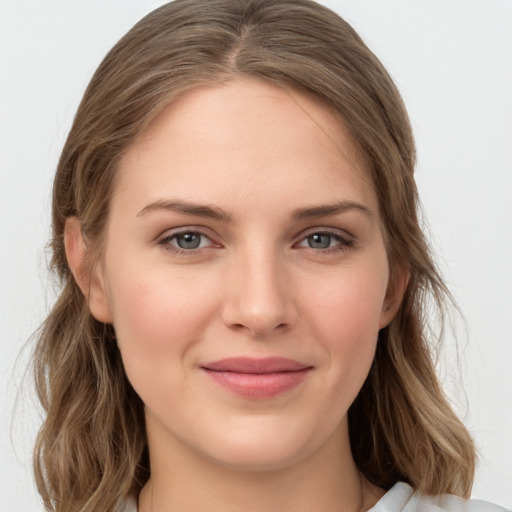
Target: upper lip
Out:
[255,365]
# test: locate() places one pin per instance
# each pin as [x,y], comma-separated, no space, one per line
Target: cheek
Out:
[351,304]
[157,318]
[347,320]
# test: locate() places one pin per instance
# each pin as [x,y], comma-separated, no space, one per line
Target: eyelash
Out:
[168,246]
[344,242]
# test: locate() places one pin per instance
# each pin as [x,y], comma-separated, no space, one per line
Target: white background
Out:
[452,60]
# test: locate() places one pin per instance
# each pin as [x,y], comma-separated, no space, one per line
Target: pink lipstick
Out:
[257,378]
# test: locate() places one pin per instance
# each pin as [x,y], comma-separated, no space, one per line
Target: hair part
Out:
[92,449]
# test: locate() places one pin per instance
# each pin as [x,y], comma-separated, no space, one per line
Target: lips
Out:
[257,378]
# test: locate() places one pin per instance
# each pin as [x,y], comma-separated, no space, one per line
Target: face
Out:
[245,273]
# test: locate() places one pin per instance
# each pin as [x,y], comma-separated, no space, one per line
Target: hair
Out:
[91,451]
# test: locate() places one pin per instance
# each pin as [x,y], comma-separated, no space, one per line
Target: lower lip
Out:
[258,386]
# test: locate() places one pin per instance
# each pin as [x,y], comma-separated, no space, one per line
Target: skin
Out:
[256,286]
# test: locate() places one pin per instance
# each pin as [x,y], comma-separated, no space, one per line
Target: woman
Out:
[241,324]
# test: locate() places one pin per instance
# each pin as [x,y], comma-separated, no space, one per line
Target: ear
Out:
[88,277]
[397,285]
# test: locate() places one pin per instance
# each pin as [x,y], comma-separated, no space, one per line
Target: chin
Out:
[257,458]
[264,447]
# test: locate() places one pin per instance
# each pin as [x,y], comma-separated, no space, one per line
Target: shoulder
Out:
[402,498]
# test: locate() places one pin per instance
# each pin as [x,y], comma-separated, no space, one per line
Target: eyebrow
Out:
[330,209]
[214,212]
[197,210]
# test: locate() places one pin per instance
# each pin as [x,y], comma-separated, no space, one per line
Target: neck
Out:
[326,481]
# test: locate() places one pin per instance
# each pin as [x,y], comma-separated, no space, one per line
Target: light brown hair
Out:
[92,450]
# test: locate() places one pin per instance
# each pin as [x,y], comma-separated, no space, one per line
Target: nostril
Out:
[255,330]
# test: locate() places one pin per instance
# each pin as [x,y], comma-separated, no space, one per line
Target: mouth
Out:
[257,379]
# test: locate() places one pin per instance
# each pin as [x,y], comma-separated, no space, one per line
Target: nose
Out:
[259,299]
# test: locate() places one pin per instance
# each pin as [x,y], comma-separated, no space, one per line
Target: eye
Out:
[186,241]
[325,241]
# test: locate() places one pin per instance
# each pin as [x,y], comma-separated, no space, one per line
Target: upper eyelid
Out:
[342,233]
[201,230]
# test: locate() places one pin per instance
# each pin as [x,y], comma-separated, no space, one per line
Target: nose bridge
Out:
[258,299]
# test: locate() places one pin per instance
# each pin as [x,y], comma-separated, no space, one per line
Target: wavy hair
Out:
[91,451]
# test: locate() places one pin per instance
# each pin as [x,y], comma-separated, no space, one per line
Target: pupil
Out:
[319,241]
[189,241]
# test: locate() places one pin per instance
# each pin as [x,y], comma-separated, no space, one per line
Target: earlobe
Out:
[88,277]
[394,296]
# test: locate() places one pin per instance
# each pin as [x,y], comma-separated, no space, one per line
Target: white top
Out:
[401,498]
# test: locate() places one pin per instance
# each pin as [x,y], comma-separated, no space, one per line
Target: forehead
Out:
[241,138]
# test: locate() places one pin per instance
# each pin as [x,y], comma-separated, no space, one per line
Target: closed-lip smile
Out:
[257,378]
